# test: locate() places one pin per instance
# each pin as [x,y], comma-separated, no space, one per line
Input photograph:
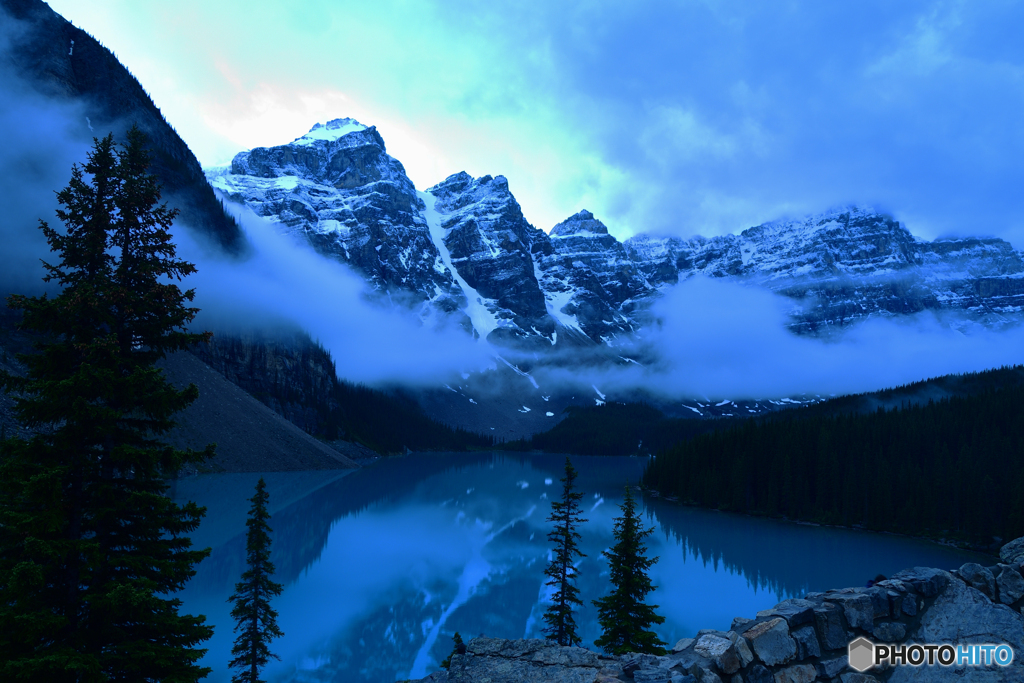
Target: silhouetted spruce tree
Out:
[256,620]
[90,547]
[458,648]
[624,616]
[565,514]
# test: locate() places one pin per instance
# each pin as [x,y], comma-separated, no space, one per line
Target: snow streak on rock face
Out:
[490,245]
[462,251]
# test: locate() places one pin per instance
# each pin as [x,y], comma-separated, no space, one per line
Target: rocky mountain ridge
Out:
[463,252]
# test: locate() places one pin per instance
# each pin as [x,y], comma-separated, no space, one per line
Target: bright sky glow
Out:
[684,117]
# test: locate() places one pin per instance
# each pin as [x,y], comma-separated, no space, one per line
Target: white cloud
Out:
[287,282]
[725,339]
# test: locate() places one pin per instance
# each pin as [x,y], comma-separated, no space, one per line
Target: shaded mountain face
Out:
[65,63]
[462,250]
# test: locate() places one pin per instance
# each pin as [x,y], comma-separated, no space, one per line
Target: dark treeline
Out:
[617,429]
[295,376]
[952,468]
[391,423]
[638,428]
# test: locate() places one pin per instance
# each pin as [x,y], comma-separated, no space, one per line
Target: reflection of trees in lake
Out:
[791,559]
[381,637]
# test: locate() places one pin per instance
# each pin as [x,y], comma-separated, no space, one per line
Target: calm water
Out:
[382,565]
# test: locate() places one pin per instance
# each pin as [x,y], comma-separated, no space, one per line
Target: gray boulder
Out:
[961,614]
[926,581]
[858,608]
[1010,584]
[1013,552]
[523,661]
[806,642]
[798,673]
[771,642]
[682,644]
[795,611]
[830,668]
[979,577]
[828,622]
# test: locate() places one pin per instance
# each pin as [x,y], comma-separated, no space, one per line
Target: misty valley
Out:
[382,565]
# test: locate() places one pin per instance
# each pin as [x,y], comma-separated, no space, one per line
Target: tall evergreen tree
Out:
[255,618]
[624,616]
[565,515]
[90,547]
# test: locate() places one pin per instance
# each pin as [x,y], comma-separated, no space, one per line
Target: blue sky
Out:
[684,117]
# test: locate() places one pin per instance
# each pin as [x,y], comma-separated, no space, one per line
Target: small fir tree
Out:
[565,515]
[91,548]
[458,648]
[624,616]
[256,620]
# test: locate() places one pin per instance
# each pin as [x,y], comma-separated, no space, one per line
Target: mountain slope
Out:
[65,63]
[249,436]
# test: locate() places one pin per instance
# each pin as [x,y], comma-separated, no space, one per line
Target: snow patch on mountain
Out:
[477,307]
[330,131]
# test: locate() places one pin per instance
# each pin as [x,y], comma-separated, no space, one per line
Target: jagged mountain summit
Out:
[462,251]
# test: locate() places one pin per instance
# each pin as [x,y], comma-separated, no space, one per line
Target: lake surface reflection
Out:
[382,565]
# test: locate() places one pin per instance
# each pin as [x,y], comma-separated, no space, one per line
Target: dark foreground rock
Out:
[798,640]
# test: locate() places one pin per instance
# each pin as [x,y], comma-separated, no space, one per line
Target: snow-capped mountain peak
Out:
[582,223]
[463,251]
[330,131]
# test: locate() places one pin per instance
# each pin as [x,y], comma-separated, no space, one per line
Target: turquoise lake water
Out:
[382,565]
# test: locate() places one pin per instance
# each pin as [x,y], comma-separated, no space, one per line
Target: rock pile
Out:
[799,640]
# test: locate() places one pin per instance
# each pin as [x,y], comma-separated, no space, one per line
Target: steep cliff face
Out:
[285,371]
[66,63]
[337,188]
[490,242]
[590,282]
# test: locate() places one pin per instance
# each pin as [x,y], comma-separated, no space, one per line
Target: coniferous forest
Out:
[616,429]
[952,468]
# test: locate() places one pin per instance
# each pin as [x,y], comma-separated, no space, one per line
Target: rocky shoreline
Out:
[800,640]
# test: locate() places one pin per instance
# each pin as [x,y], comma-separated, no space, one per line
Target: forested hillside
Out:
[951,468]
[295,377]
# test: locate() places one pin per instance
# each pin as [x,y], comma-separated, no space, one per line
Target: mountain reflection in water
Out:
[382,565]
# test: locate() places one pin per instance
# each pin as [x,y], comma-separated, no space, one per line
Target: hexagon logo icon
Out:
[860,654]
